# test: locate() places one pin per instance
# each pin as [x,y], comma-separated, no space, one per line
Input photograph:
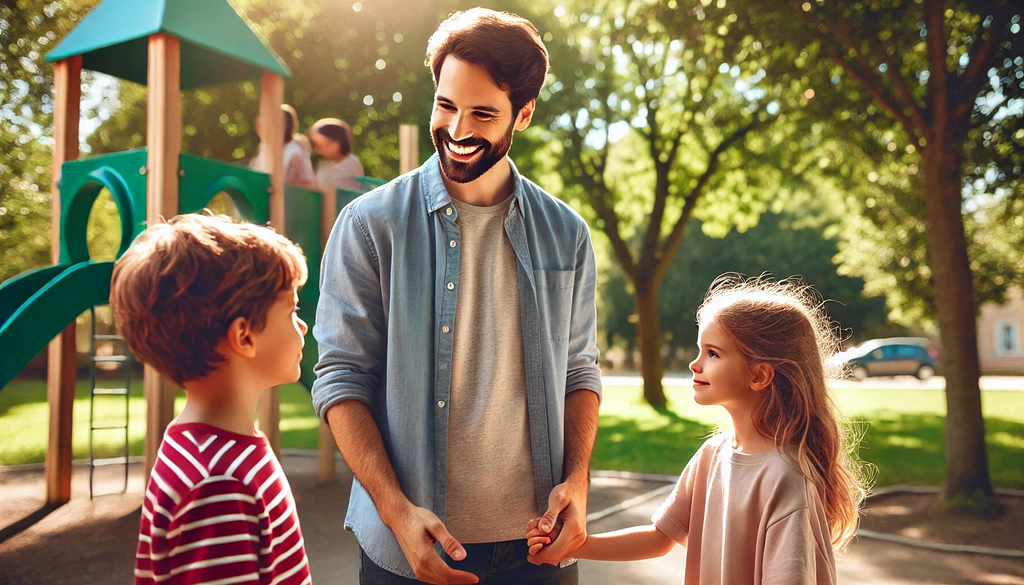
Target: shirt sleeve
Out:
[582,369]
[214,535]
[673,517]
[792,556]
[350,326]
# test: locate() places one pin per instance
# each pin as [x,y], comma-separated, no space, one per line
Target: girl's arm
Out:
[629,544]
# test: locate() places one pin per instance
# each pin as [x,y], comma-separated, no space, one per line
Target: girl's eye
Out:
[712,353]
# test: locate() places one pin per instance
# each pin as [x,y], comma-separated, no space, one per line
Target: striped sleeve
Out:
[213,536]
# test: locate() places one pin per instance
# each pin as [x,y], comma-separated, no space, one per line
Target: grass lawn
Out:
[903,429]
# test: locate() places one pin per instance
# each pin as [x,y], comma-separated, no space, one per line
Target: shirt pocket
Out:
[554,299]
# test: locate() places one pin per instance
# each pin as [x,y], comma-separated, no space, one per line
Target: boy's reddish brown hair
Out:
[179,286]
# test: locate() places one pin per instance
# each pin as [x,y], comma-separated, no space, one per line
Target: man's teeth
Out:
[462,150]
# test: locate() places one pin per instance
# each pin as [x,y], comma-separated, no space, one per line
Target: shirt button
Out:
[452,243]
[451,286]
[448,211]
[445,329]
[440,403]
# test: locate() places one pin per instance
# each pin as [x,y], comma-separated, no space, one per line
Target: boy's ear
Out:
[240,339]
[761,376]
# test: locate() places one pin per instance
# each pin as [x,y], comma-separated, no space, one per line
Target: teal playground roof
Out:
[217,45]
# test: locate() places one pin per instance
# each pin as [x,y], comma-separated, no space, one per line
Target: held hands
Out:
[563,527]
[417,529]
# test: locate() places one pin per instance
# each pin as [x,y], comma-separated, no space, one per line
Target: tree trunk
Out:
[966,463]
[649,332]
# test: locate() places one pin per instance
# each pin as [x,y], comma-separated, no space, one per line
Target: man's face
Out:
[472,122]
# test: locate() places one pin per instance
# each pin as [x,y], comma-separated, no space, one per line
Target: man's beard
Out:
[461,172]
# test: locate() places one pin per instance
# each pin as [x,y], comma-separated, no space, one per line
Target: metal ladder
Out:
[124,361]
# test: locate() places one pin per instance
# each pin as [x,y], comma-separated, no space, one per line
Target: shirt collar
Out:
[437,195]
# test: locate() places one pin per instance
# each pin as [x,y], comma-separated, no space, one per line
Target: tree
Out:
[27,31]
[653,121]
[943,72]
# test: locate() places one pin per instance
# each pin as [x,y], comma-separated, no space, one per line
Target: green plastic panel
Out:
[201,179]
[302,226]
[54,305]
[217,45]
[122,174]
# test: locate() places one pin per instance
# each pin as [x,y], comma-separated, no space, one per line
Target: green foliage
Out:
[875,96]
[778,245]
[28,29]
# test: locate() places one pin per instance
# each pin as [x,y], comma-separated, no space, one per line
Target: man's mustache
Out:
[442,134]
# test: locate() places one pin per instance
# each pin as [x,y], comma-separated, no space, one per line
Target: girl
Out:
[338,167]
[298,170]
[771,498]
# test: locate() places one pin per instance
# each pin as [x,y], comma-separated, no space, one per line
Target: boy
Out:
[211,304]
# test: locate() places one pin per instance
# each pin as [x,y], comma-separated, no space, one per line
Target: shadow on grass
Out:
[910,449]
[664,446]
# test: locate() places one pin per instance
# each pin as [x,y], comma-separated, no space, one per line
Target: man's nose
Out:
[458,127]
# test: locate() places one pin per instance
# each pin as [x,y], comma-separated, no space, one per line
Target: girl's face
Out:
[720,373]
[324,146]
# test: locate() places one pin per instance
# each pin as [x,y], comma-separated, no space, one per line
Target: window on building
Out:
[1008,338]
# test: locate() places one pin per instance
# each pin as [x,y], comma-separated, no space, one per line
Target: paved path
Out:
[92,542]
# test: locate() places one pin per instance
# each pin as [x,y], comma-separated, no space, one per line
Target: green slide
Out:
[37,305]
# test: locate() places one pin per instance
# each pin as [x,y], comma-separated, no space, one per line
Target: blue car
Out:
[895,356]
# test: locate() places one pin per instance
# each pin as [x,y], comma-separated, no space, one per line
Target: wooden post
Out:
[408,147]
[272,137]
[163,141]
[328,214]
[62,353]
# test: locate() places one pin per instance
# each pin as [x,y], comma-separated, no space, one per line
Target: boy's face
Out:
[279,344]
[472,122]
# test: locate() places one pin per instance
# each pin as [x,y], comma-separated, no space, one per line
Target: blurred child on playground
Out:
[771,498]
[338,166]
[211,304]
[298,169]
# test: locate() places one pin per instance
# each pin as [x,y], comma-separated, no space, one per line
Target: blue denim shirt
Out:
[388,289]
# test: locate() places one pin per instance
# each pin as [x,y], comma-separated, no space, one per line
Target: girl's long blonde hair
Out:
[783,324]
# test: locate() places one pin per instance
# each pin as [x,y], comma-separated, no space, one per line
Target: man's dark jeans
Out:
[497,563]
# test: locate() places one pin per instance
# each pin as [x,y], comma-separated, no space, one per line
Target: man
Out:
[457,330]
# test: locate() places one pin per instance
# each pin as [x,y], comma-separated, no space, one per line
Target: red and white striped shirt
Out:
[218,510]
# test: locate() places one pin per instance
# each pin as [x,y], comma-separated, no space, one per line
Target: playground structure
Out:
[170,46]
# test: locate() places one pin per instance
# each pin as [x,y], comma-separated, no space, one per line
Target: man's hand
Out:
[565,520]
[417,529]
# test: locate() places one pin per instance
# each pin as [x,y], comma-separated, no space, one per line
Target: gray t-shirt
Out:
[490,469]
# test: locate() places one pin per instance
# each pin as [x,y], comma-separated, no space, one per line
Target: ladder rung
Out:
[110,391]
[109,427]
[110,461]
[108,338]
[109,358]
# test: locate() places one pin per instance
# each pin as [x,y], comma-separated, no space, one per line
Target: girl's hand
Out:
[537,539]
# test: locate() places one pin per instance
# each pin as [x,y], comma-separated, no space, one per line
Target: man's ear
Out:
[761,376]
[239,338]
[525,115]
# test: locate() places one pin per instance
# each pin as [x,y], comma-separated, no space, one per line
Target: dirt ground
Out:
[921,516]
[92,542]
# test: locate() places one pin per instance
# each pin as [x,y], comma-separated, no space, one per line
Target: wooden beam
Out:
[408,147]
[272,137]
[61,353]
[163,142]
[328,215]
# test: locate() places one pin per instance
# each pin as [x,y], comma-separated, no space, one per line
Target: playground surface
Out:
[93,541]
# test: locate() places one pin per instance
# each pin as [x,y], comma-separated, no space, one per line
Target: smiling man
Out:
[457,330]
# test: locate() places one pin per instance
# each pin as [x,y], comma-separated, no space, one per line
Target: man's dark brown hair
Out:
[507,46]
